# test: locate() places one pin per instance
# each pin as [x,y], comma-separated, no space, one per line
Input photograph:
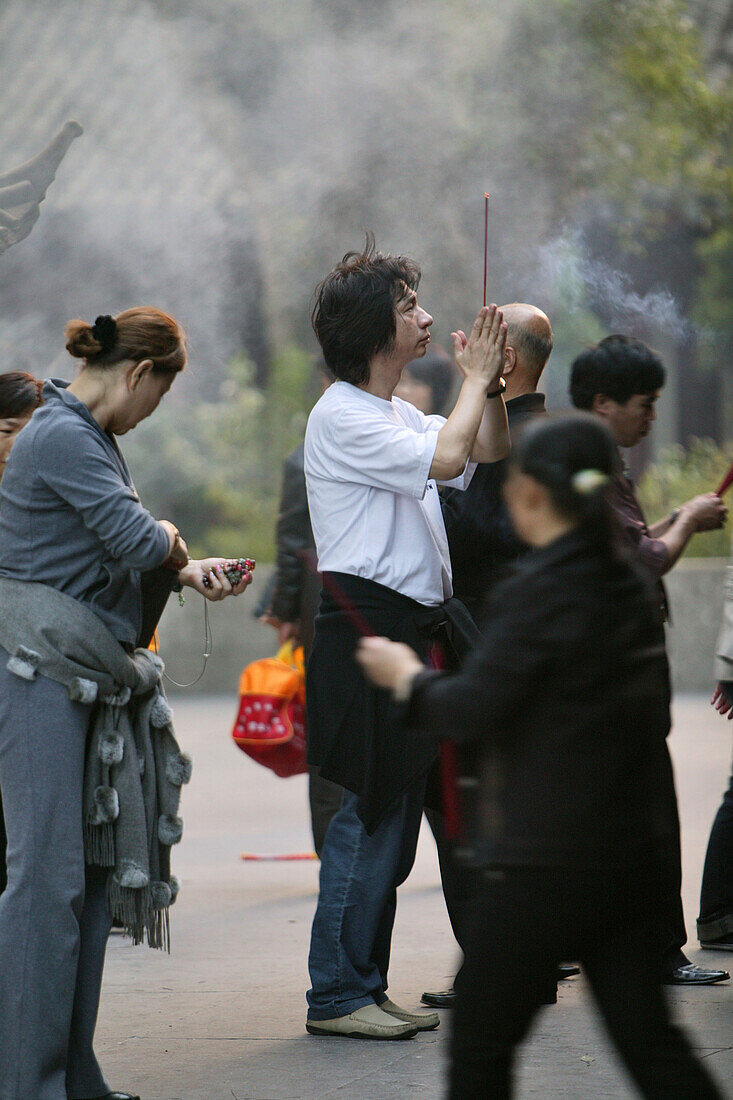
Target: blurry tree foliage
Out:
[678,475]
[635,131]
[215,468]
[633,117]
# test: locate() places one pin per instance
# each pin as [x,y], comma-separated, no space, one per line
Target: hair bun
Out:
[80,340]
[588,482]
[104,331]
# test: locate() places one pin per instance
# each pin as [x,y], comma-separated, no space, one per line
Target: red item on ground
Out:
[270,722]
[262,857]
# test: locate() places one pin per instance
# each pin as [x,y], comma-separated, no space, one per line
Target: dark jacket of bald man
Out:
[482,541]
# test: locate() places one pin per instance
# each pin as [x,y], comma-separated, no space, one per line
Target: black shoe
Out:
[445,999]
[116,1096]
[567,970]
[694,975]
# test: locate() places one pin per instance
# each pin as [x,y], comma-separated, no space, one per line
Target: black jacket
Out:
[480,535]
[567,703]
[293,592]
[354,735]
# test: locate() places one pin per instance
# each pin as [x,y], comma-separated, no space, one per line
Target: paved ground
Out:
[221,1018]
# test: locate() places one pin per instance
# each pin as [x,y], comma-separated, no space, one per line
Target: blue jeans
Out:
[352,928]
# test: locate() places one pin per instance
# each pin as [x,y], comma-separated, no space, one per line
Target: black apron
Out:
[355,737]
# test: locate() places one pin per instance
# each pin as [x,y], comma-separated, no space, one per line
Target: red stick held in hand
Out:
[486,240]
[357,620]
[725,483]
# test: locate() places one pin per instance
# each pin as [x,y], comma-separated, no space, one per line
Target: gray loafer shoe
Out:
[369,1022]
[423,1021]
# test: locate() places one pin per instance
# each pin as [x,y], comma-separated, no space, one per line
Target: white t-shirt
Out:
[374,511]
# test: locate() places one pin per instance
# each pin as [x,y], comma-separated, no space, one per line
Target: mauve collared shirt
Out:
[651,552]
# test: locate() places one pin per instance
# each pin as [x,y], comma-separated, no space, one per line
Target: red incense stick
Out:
[486,240]
[359,623]
[725,483]
[265,857]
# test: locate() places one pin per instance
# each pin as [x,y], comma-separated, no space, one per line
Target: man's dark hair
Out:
[434,370]
[618,368]
[354,313]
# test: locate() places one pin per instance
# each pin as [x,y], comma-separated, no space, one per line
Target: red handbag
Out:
[270,722]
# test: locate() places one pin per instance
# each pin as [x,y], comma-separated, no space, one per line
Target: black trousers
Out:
[716,892]
[537,917]
[460,887]
[324,798]
[458,884]
[463,891]
[672,932]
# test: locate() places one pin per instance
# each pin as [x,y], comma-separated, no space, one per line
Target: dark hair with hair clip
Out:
[574,457]
[618,367]
[134,334]
[20,393]
[354,312]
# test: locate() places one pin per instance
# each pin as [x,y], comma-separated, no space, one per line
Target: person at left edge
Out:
[20,396]
[70,518]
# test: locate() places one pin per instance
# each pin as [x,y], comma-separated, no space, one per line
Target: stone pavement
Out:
[221,1018]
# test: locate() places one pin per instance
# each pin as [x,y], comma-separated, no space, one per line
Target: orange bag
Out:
[270,722]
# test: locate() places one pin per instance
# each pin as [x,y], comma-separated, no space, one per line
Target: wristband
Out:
[498,391]
[174,561]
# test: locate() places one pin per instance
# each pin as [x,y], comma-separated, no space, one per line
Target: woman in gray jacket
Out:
[70,518]
[20,396]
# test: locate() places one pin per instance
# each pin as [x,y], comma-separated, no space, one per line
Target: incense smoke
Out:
[234,150]
[565,267]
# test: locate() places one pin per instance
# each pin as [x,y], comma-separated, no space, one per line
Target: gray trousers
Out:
[54,920]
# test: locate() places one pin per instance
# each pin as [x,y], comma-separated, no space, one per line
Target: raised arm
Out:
[477,427]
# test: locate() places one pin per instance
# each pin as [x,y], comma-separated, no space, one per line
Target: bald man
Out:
[482,546]
[481,539]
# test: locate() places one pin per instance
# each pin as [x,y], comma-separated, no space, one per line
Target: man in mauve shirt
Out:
[619,380]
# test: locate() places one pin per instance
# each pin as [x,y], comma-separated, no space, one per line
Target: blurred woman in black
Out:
[567,702]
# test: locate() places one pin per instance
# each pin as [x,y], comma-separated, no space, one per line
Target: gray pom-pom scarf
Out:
[134,768]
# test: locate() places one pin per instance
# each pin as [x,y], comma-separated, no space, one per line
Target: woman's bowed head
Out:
[129,362]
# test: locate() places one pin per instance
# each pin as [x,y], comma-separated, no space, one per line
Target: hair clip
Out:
[587,482]
[104,331]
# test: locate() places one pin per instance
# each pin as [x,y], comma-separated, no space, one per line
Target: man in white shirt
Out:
[372,463]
